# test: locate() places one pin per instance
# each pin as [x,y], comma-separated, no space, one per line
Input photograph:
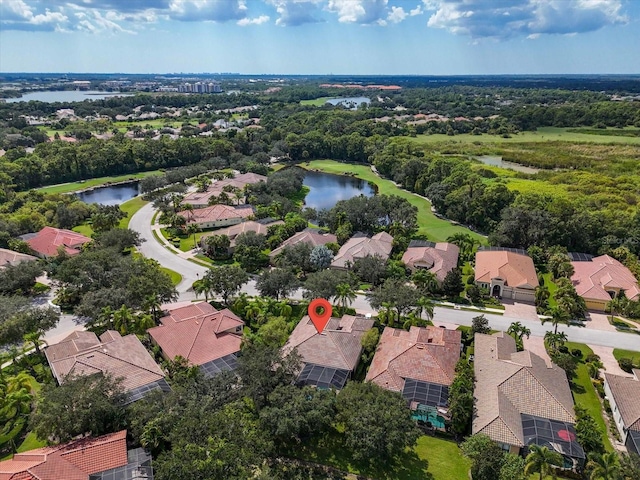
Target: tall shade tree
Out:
[225,281]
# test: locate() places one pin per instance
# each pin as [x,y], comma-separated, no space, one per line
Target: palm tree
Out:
[605,466]
[192,229]
[344,295]
[152,305]
[541,459]
[284,309]
[123,319]
[518,330]
[35,339]
[201,287]
[20,381]
[425,306]
[555,339]
[425,281]
[542,296]
[557,315]
[465,243]
[594,368]
[386,313]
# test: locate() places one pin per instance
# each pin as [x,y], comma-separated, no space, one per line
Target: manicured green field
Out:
[130,207]
[176,278]
[432,455]
[619,353]
[94,182]
[317,102]
[545,134]
[186,243]
[428,224]
[585,394]
[84,229]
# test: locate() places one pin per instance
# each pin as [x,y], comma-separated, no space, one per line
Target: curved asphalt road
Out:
[151,248]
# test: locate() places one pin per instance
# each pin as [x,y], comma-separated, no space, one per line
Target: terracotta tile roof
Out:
[359,246]
[309,235]
[217,187]
[47,241]
[427,354]
[440,259]
[10,258]
[216,213]
[82,353]
[626,394]
[198,332]
[338,346]
[249,226]
[509,383]
[592,279]
[516,269]
[75,460]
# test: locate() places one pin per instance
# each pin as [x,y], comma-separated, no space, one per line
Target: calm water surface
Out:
[65,96]
[353,102]
[326,189]
[110,195]
[498,162]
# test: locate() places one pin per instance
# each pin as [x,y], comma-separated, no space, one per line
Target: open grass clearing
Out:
[316,102]
[130,207]
[433,457]
[176,278]
[585,395]
[428,224]
[543,134]
[619,353]
[95,182]
[84,229]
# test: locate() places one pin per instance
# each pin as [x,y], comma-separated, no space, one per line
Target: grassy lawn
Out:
[31,442]
[428,224]
[317,102]
[186,243]
[619,353]
[176,278]
[552,287]
[93,182]
[544,134]
[433,457]
[84,229]
[585,395]
[130,207]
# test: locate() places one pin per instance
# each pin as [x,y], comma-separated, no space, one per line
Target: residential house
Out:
[506,273]
[10,258]
[360,246]
[240,181]
[599,279]
[217,215]
[420,364]
[258,226]
[623,394]
[329,358]
[48,241]
[520,400]
[87,458]
[83,353]
[200,334]
[308,235]
[438,258]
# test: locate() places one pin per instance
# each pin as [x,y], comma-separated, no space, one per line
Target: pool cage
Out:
[555,435]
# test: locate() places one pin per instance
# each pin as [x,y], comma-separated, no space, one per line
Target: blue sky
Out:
[358,37]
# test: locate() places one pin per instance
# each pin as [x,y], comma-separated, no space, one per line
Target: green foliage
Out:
[480,324]
[396,294]
[485,455]
[370,269]
[324,284]
[377,423]
[91,403]
[225,281]
[452,285]
[19,318]
[461,398]
[588,432]
[19,279]
[277,283]
[541,460]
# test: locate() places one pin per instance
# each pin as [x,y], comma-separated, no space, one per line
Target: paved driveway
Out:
[608,360]
[599,321]
[524,311]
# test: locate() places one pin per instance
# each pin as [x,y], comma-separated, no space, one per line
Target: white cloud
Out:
[530,18]
[207,10]
[293,13]
[18,15]
[416,11]
[253,21]
[396,15]
[364,12]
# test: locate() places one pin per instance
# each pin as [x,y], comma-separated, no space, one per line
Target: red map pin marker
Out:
[319,320]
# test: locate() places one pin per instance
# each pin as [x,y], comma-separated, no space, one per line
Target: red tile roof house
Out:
[359,246]
[329,358]
[100,457]
[201,334]
[600,279]
[506,273]
[83,353]
[438,258]
[308,235]
[49,240]
[201,199]
[217,215]
[259,227]
[624,396]
[10,258]
[420,364]
[520,400]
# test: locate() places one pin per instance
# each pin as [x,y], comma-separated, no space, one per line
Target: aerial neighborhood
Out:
[232,278]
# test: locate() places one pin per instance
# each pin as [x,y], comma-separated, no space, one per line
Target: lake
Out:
[111,194]
[498,162]
[65,96]
[352,102]
[327,189]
